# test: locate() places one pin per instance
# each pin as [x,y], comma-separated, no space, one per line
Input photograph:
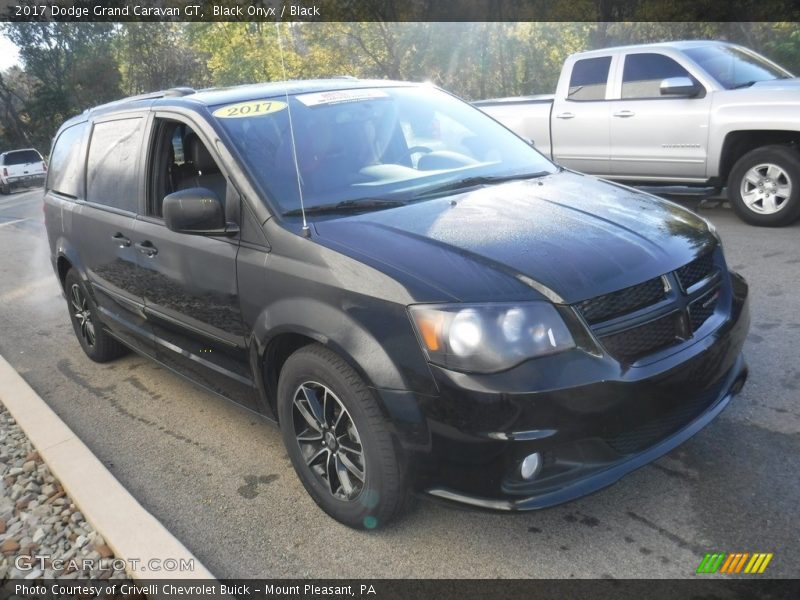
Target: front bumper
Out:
[591,419]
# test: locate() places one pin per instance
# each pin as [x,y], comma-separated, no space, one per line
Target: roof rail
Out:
[172,92]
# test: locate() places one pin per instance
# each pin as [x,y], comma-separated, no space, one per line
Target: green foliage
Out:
[69,67]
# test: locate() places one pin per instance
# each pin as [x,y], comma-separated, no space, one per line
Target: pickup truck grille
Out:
[640,320]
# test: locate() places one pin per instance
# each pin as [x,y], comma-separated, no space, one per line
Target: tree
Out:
[157,56]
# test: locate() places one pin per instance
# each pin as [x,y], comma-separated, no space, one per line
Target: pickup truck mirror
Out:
[196,211]
[679,86]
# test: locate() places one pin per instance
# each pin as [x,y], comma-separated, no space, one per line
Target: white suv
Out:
[21,168]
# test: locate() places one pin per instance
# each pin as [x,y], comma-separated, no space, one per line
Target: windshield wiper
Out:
[345,206]
[477,181]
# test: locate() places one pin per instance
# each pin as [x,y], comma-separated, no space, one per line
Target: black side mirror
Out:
[197,211]
[679,86]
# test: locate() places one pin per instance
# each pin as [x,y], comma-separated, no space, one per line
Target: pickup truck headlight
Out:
[484,338]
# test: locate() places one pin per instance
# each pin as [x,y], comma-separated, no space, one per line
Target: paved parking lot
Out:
[219,478]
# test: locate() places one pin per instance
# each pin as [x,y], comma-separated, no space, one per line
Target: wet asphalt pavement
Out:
[219,478]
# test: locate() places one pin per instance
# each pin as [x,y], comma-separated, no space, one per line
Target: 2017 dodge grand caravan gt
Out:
[418,297]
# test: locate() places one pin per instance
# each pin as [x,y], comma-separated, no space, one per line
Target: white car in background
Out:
[21,168]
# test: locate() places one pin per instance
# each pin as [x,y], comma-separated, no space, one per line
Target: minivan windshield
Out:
[21,157]
[360,147]
[734,67]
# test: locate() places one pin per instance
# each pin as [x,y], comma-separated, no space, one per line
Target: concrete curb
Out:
[128,529]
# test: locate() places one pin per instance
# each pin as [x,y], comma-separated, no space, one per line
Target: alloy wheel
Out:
[766,188]
[82,314]
[329,441]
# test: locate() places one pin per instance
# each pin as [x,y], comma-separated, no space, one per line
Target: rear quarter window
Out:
[111,167]
[66,162]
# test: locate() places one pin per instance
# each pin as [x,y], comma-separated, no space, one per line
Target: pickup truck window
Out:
[386,143]
[589,79]
[733,67]
[643,74]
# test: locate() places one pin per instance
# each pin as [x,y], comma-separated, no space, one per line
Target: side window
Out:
[66,162]
[643,74]
[179,160]
[589,79]
[111,176]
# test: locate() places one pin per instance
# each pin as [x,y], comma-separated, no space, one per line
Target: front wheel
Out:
[338,440]
[4,189]
[764,186]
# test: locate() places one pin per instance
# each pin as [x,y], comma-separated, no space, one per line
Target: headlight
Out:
[483,338]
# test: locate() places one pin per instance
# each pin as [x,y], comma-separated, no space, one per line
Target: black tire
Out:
[783,191]
[383,493]
[4,189]
[93,338]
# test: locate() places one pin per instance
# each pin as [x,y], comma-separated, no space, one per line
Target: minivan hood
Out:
[574,235]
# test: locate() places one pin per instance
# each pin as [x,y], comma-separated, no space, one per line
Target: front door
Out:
[190,293]
[655,137]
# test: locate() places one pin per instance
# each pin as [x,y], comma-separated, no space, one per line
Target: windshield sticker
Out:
[340,96]
[256,108]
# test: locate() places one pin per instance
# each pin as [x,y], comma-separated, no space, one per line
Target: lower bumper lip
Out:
[603,478]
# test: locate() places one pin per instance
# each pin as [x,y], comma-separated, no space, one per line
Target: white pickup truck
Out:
[678,113]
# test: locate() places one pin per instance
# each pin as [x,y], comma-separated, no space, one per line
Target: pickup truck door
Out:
[655,137]
[580,117]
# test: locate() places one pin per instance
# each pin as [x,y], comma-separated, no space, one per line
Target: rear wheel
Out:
[764,186]
[95,341]
[4,189]
[338,440]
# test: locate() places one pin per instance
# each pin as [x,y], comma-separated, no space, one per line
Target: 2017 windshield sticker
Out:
[256,108]
[339,96]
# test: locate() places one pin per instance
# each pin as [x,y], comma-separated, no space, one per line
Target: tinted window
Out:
[643,74]
[66,162]
[111,176]
[589,79]
[22,157]
[733,67]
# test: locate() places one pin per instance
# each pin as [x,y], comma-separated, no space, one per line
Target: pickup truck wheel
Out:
[5,190]
[764,186]
[338,440]
[95,341]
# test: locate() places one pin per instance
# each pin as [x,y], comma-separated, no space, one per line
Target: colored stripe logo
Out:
[736,562]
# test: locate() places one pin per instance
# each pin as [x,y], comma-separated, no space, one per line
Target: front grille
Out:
[674,312]
[631,344]
[695,271]
[656,429]
[702,308]
[624,301]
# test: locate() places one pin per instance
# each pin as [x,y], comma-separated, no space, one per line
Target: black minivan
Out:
[417,296]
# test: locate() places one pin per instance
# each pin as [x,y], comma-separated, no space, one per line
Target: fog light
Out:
[530,466]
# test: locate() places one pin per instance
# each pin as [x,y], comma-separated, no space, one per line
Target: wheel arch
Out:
[278,333]
[739,143]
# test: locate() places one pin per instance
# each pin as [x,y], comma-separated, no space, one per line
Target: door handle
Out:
[624,114]
[121,240]
[146,247]
[565,115]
